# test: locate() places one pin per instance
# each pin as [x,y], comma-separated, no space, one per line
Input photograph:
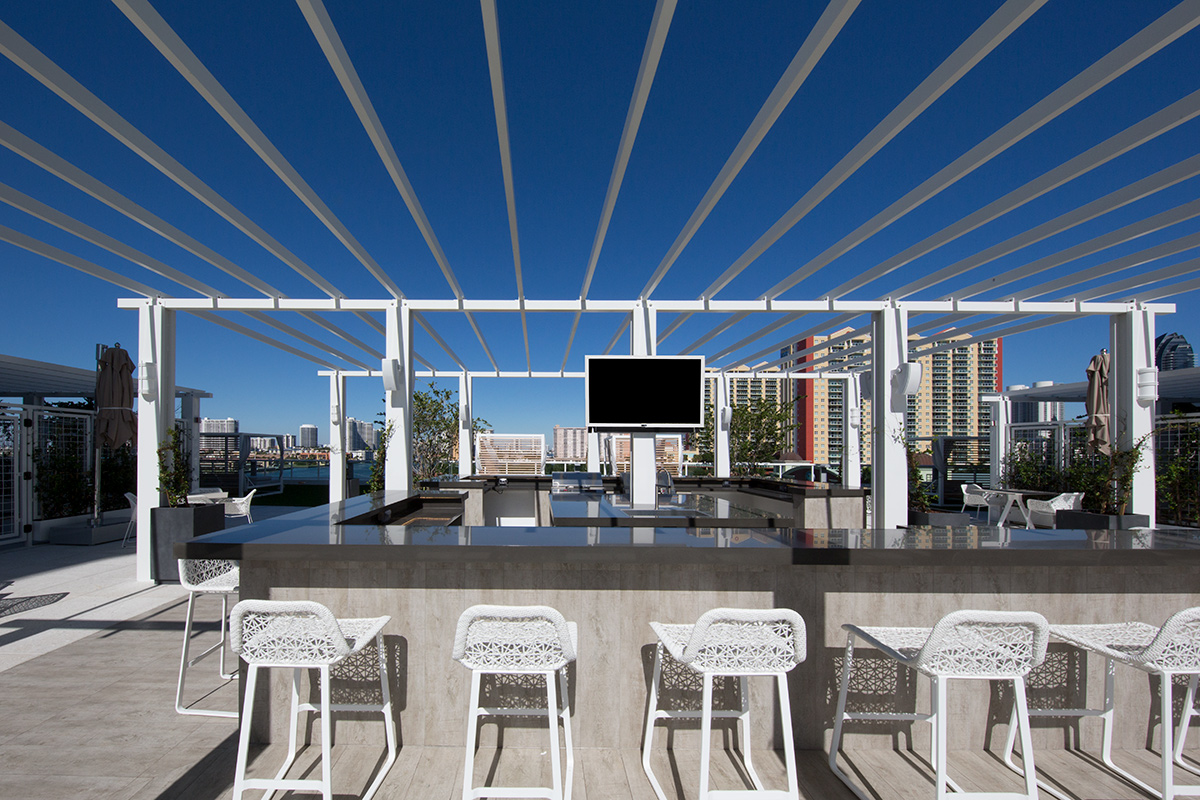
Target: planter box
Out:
[939,519]
[171,525]
[1091,521]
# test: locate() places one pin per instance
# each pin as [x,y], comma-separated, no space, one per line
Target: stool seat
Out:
[729,642]
[965,645]
[519,640]
[1170,650]
[205,576]
[303,635]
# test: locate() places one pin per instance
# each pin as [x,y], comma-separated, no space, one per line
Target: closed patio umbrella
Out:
[1098,409]
[115,422]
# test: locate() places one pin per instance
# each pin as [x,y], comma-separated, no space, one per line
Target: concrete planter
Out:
[1091,521]
[171,525]
[939,519]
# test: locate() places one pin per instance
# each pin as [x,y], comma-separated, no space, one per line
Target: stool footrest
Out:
[666,714]
[289,784]
[751,794]
[513,791]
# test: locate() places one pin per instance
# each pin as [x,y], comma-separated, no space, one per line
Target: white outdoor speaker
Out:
[726,417]
[391,374]
[147,381]
[906,380]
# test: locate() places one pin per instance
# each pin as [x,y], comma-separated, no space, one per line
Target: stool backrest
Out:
[195,572]
[1176,646]
[513,638]
[746,640]
[985,644]
[286,633]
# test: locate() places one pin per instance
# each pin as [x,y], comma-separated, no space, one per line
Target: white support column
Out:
[465,434]
[156,415]
[337,437]
[398,406]
[1132,336]
[642,466]
[851,436]
[889,467]
[1001,407]
[593,451]
[189,412]
[723,412]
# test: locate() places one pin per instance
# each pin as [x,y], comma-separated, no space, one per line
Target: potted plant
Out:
[177,521]
[1107,483]
[920,499]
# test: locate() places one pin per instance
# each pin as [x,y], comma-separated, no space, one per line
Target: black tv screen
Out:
[632,392]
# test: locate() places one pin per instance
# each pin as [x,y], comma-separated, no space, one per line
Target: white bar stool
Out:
[304,635]
[738,643]
[205,576]
[518,640]
[1173,649]
[963,645]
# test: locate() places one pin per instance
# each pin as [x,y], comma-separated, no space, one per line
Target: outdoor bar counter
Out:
[400,556]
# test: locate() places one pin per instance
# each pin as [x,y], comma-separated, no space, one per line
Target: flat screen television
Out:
[644,392]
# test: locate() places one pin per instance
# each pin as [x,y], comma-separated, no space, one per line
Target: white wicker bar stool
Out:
[304,635]
[964,645]
[205,576]
[730,642]
[1173,649]
[519,640]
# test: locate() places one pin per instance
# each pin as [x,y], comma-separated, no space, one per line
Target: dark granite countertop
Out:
[318,535]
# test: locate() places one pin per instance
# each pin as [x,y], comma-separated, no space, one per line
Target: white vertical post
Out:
[851,436]
[337,437]
[723,413]
[998,436]
[642,467]
[1132,335]
[593,451]
[189,412]
[889,466]
[156,415]
[464,425]
[398,407]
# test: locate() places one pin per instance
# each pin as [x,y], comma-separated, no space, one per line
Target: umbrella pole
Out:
[97,515]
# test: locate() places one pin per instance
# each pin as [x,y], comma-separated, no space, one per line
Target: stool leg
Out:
[1110,678]
[1185,721]
[839,716]
[705,733]
[239,775]
[226,674]
[651,715]
[552,719]
[789,739]
[566,720]
[938,751]
[389,721]
[472,722]
[1167,723]
[1021,707]
[326,735]
[183,660]
[744,722]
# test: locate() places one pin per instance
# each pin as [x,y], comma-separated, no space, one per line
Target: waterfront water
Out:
[361,470]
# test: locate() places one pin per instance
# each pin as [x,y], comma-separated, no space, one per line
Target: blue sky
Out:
[569,71]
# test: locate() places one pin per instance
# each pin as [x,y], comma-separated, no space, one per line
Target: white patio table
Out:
[1011,497]
[207,496]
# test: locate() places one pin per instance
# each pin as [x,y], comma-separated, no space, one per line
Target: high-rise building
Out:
[1035,410]
[209,426]
[570,444]
[361,434]
[308,436]
[1172,351]
[748,390]
[947,403]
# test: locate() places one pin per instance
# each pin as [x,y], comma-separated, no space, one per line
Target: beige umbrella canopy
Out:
[1099,436]
[115,422]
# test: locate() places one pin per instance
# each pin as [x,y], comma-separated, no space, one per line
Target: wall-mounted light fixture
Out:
[1147,385]
[147,381]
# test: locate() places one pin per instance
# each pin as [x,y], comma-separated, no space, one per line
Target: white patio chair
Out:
[205,576]
[738,643]
[974,496]
[1042,512]
[303,635]
[130,498]
[963,645]
[239,507]
[518,640]
[1173,649]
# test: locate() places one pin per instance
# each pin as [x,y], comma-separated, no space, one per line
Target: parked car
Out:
[813,473]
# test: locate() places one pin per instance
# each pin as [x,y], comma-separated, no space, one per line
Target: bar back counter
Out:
[405,555]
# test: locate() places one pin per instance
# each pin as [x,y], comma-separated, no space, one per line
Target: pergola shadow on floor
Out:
[94,718]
